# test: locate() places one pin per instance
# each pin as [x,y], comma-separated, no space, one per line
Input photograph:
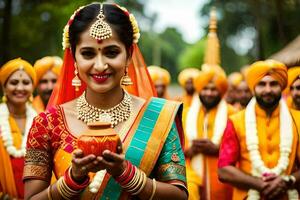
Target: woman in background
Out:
[16,115]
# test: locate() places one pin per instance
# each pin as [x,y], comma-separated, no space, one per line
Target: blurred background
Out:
[173,31]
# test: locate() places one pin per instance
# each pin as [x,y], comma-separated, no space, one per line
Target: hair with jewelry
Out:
[118,20]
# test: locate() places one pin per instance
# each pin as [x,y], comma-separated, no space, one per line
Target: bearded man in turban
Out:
[204,122]
[294,87]
[47,70]
[262,139]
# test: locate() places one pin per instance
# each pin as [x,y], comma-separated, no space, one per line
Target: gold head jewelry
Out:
[119,113]
[100,30]
[66,41]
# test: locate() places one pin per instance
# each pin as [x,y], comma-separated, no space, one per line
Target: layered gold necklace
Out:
[119,113]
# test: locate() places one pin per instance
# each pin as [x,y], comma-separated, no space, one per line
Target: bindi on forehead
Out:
[99,41]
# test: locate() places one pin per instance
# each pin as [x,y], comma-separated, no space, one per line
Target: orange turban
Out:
[260,69]
[16,64]
[235,78]
[215,76]
[159,74]
[186,74]
[293,74]
[42,65]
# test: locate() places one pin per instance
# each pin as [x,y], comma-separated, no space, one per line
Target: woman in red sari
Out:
[100,48]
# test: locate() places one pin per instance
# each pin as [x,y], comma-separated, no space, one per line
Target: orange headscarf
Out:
[16,64]
[186,74]
[293,74]
[235,78]
[42,65]
[159,74]
[260,69]
[215,76]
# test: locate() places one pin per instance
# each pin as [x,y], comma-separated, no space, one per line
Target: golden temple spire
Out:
[212,52]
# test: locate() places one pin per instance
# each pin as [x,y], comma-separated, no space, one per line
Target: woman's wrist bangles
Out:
[132,179]
[67,187]
[153,189]
[73,184]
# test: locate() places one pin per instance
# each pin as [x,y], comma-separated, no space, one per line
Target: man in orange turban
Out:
[294,87]
[161,79]
[47,70]
[186,78]
[204,122]
[258,154]
[234,79]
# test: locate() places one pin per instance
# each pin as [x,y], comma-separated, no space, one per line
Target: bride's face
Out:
[101,65]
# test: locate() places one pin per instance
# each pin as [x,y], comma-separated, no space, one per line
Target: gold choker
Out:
[119,113]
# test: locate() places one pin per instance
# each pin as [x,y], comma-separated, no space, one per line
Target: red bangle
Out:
[72,184]
[125,174]
[131,175]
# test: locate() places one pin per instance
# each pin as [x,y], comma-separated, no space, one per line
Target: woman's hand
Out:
[112,162]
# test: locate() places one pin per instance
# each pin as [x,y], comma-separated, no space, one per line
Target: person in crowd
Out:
[244,94]
[47,70]
[204,123]
[294,88]
[17,78]
[100,42]
[258,155]
[234,79]
[185,79]
[161,79]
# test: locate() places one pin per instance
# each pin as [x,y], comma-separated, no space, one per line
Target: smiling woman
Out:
[100,42]
[16,115]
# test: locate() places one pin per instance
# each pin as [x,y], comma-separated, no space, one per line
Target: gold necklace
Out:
[119,113]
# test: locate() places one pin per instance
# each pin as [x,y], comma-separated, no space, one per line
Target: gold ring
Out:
[83,168]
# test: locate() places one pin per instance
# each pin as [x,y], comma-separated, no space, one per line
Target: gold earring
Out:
[4,98]
[76,82]
[30,99]
[126,80]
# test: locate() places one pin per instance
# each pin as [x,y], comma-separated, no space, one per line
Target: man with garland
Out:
[262,140]
[204,123]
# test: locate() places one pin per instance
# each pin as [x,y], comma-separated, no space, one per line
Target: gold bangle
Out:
[49,192]
[133,181]
[137,184]
[153,189]
[144,181]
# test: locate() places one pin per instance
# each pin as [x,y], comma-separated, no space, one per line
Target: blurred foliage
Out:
[193,55]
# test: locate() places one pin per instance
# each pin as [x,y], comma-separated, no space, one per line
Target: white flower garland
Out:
[192,130]
[286,141]
[6,130]
[97,181]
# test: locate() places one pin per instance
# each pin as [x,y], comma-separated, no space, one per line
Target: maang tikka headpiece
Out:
[100,30]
